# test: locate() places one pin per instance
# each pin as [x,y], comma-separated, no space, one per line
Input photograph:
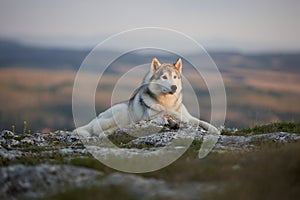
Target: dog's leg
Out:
[193,120]
[111,119]
[208,140]
[84,131]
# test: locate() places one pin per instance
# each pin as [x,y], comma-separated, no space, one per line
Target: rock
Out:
[28,140]
[9,154]
[160,131]
[157,189]
[248,143]
[32,182]
[39,147]
[155,140]
[35,181]
[7,134]
[74,149]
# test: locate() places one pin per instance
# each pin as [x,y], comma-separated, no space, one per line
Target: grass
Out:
[103,192]
[120,138]
[92,163]
[33,159]
[267,174]
[189,167]
[290,127]
[270,173]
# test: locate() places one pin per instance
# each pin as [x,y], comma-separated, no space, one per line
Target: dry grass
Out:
[271,173]
[268,174]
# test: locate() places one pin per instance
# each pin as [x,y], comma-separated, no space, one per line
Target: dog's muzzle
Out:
[173,89]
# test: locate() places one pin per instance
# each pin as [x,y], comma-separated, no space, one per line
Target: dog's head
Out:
[166,78]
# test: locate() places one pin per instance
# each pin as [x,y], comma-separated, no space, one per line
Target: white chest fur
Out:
[168,101]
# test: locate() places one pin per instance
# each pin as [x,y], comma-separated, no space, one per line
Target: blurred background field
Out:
[36,86]
[42,44]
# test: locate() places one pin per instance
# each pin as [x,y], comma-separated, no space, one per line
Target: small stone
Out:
[27,140]
[14,142]
[6,133]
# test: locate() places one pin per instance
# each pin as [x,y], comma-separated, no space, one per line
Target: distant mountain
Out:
[18,55]
[272,61]
[14,54]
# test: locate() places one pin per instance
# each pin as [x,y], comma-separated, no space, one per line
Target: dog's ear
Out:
[178,65]
[155,65]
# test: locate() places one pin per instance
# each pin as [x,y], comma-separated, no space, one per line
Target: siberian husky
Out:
[159,94]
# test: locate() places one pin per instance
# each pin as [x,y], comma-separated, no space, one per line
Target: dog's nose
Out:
[173,88]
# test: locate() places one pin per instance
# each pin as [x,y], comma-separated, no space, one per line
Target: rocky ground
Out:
[61,164]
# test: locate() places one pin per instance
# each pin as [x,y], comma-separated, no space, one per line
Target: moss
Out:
[92,163]
[137,146]
[193,149]
[33,149]
[290,127]
[276,127]
[34,155]
[22,136]
[120,138]
[33,159]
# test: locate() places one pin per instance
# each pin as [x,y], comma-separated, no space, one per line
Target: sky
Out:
[249,26]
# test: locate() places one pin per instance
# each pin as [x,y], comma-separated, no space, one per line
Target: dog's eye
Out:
[175,77]
[164,77]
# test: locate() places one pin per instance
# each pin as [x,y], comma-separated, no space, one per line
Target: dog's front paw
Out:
[82,133]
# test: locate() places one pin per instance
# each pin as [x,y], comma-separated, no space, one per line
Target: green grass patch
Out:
[54,158]
[290,127]
[92,163]
[120,138]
